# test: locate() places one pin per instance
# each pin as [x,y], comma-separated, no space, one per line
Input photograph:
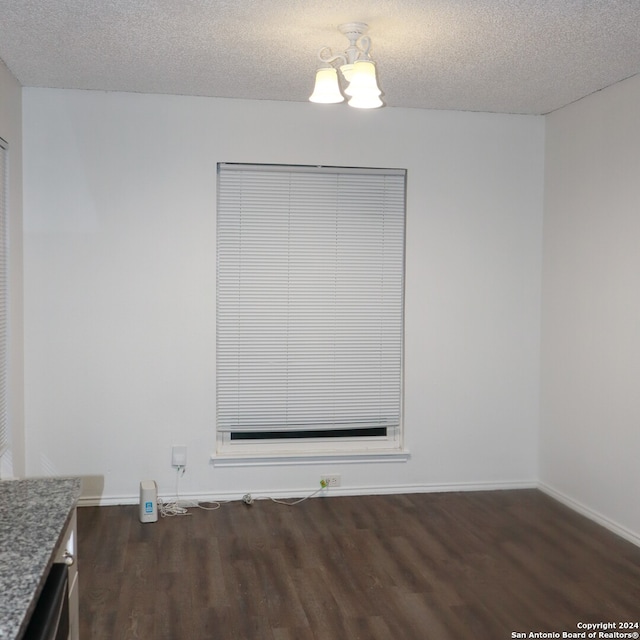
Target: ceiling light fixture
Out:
[356,67]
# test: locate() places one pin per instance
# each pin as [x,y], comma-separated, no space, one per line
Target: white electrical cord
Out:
[179,508]
[173,508]
[248,498]
[295,502]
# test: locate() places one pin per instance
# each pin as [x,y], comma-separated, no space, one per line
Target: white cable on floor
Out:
[179,507]
[295,502]
[173,508]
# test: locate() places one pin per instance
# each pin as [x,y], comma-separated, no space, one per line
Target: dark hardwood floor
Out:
[449,566]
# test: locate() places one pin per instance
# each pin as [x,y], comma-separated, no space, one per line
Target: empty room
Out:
[319,320]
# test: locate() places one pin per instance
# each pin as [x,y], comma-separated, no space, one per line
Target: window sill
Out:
[261,460]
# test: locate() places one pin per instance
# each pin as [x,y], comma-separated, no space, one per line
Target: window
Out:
[4,435]
[310,272]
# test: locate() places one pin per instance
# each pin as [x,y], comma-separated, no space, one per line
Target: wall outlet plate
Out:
[179,455]
[330,479]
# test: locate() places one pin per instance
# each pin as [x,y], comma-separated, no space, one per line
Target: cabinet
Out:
[37,528]
[67,552]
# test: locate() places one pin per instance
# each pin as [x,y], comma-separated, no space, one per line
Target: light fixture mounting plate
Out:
[353,30]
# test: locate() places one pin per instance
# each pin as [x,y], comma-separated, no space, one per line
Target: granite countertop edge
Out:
[34,513]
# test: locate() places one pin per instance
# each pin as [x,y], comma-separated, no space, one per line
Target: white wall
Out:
[13,461]
[120,193]
[590,416]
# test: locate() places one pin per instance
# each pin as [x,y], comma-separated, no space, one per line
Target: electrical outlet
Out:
[330,480]
[178,456]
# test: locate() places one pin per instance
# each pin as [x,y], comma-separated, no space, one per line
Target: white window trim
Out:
[273,454]
[389,448]
[268,452]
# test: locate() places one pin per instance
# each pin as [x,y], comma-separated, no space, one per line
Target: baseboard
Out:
[102,501]
[623,532]
[582,509]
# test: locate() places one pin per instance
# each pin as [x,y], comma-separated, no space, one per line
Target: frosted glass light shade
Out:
[363,79]
[327,88]
[365,101]
[347,71]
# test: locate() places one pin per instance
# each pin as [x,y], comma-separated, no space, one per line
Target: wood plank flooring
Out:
[450,566]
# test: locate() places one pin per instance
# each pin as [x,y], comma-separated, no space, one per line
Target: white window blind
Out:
[310,268]
[4,436]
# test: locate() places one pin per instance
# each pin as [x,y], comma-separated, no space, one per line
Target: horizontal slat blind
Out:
[310,268]
[4,436]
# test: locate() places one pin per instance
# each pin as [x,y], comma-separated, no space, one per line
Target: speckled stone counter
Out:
[33,516]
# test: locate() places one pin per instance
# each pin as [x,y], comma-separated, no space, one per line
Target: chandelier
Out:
[356,68]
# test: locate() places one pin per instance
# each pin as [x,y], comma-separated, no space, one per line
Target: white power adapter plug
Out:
[178,456]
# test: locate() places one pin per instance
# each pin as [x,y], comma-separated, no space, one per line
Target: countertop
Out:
[33,516]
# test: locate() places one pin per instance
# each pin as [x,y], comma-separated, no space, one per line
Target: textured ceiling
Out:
[513,56]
